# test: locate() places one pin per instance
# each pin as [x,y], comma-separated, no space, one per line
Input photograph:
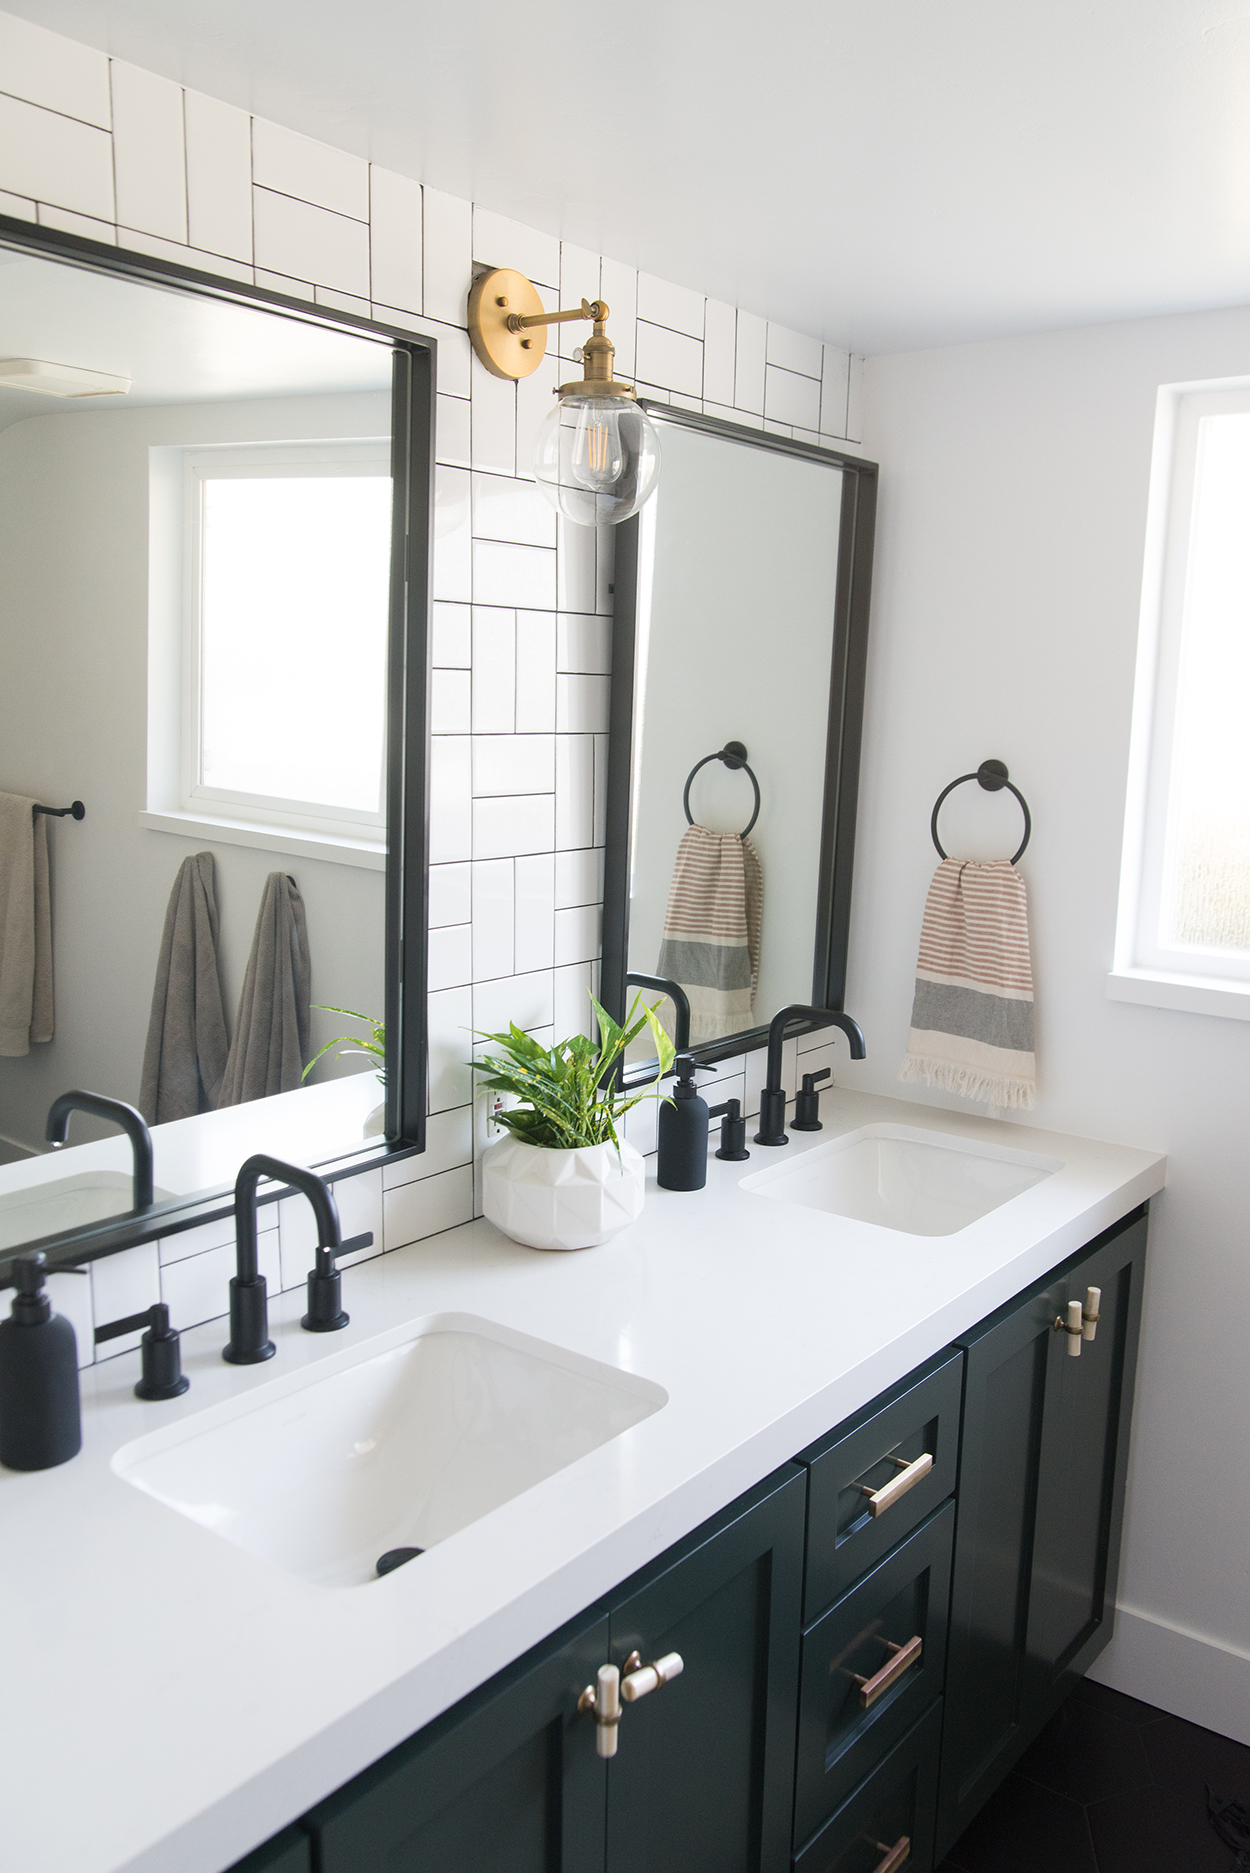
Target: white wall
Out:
[74,600]
[1009,561]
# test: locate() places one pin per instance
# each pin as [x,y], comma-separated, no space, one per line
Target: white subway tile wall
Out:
[522,626]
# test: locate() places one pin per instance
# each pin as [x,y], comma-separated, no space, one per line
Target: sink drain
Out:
[395,1557]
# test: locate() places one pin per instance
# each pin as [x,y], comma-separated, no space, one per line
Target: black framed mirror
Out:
[214,609]
[739,650]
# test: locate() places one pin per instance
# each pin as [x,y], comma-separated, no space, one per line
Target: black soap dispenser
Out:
[40,1417]
[682,1161]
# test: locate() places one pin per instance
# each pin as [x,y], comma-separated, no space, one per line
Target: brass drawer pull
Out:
[894,1856]
[879,1500]
[870,1689]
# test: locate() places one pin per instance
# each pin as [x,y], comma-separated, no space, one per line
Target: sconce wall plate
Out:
[493,298]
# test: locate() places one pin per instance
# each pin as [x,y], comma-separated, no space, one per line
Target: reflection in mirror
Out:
[194,592]
[736,767]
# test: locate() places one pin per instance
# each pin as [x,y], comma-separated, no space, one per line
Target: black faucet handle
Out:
[331,1251]
[325,1285]
[807,1102]
[161,1348]
[733,1131]
[362,1241]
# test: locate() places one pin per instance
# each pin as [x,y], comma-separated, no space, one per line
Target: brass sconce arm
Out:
[596,309]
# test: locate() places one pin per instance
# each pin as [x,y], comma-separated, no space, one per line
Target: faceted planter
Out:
[562,1199]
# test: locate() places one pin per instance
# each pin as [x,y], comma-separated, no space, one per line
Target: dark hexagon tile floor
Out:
[1111,1786]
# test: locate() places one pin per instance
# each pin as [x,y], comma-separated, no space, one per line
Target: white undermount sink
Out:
[324,1471]
[53,1209]
[899,1177]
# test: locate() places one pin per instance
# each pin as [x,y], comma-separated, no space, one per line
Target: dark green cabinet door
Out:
[703,1777]
[288,1852]
[509,1781]
[1041,1493]
[1081,1473]
[1005,1367]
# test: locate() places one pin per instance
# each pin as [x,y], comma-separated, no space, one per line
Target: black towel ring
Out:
[734,755]
[992,775]
[76,811]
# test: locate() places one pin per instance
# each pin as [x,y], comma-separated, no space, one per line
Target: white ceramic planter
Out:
[562,1199]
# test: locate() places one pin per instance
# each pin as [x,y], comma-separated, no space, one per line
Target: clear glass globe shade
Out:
[597,459]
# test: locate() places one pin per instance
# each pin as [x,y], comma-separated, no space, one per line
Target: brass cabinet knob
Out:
[603,1698]
[640,1680]
[1090,1313]
[1082,1321]
[1073,1326]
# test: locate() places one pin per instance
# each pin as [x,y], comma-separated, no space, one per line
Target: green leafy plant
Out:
[567,1092]
[351,1043]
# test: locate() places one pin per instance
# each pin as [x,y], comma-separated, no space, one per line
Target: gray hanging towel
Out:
[711,941]
[25,927]
[271,1035]
[185,1055]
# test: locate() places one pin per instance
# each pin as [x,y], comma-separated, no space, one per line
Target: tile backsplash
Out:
[522,619]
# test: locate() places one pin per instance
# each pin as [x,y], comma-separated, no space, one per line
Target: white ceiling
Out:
[885,173]
[174,346]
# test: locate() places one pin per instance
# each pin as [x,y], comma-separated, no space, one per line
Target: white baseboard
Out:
[1189,1674]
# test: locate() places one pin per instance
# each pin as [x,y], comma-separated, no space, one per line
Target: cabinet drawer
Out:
[888,1823]
[870,1668]
[847,1530]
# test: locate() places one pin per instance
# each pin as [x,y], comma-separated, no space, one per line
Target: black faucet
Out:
[249,1303]
[680,1000]
[131,1122]
[772,1129]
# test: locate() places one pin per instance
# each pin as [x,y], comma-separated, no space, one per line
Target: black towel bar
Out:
[992,775]
[76,811]
[734,755]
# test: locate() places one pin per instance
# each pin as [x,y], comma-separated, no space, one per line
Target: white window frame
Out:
[1201,981]
[178,801]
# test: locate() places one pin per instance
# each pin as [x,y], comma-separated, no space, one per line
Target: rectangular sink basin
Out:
[69,1203]
[921,1183]
[324,1471]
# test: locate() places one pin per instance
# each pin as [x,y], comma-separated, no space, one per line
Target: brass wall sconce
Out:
[597,455]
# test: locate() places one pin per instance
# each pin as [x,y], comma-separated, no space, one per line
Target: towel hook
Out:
[993,776]
[734,755]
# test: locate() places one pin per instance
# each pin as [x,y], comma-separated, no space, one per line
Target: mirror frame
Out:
[414,365]
[842,748]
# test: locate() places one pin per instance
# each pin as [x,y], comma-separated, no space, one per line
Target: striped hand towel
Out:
[711,942]
[972,1019]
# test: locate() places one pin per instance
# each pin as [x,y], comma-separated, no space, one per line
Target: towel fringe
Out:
[968,1082]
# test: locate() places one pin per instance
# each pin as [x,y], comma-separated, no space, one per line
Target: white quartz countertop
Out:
[170,1701]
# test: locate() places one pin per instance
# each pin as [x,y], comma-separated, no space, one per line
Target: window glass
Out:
[1205,899]
[294,574]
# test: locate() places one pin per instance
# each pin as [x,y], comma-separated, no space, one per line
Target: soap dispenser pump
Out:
[682,1160]
[40,1416]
